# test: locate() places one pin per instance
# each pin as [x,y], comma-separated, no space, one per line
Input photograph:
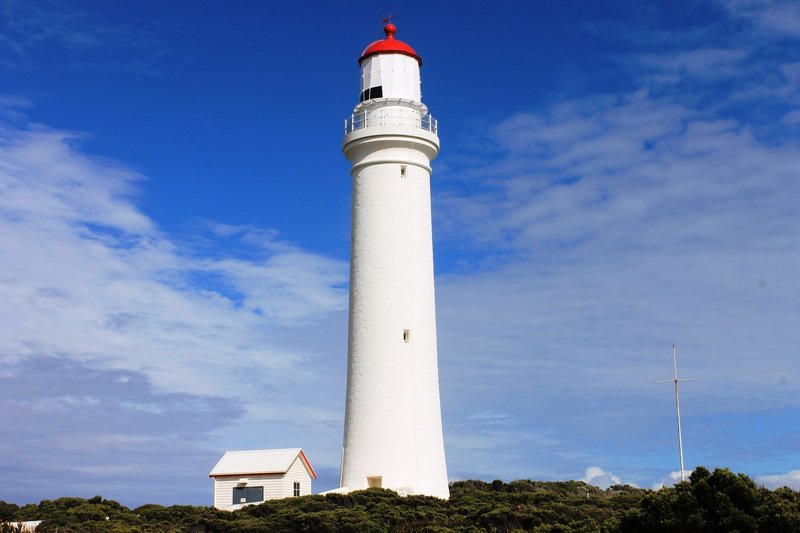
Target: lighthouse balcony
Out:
[391,116]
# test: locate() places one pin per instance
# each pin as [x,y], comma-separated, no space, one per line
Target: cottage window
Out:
[248,495]
[296,488]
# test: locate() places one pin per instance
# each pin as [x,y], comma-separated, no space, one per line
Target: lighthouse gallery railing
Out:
[367,119]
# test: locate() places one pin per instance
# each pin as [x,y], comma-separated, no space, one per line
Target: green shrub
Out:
[708,502]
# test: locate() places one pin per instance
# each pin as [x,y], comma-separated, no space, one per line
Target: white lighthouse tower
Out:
[393,426]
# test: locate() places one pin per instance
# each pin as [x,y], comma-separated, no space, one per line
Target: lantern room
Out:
[390,69]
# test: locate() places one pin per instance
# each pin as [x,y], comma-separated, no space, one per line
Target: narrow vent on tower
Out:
[406,336]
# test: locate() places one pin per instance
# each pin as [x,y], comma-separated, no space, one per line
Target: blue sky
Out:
[174,237]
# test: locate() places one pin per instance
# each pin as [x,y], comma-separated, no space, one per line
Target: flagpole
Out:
[675,380]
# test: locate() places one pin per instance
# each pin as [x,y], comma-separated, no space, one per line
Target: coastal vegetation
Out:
[718,501]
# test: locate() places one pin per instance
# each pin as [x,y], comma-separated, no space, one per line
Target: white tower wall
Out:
[393,420]
[393,428]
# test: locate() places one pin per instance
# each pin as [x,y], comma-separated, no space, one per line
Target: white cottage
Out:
[253,476]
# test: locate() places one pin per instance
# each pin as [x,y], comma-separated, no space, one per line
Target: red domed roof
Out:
[390,45]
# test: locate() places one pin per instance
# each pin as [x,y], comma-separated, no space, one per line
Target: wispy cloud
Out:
[11,101]
[732,58]
[790,479]
[592,234]
[603,229]
[84,37]
[777,18]
[90,286]
[706,63]
[83,423]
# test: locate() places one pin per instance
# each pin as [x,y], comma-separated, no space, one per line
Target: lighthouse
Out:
[393,426]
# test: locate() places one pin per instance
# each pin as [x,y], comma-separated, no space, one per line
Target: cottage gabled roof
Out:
[259,462]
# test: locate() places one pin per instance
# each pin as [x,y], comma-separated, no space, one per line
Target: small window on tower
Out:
[406,336]
[402,171]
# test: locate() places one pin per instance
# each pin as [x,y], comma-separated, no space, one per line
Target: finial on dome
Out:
[389,45]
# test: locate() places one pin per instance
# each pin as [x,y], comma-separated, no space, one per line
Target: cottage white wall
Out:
[297,472]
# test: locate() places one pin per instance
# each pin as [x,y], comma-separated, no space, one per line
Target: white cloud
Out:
[792,117]
[671,479]
[80,422]
[779,18]
[600,478]
[88,279]
[79,256]
[790,479]
[597,232]
[12,101]
[706,62]
[609,229]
